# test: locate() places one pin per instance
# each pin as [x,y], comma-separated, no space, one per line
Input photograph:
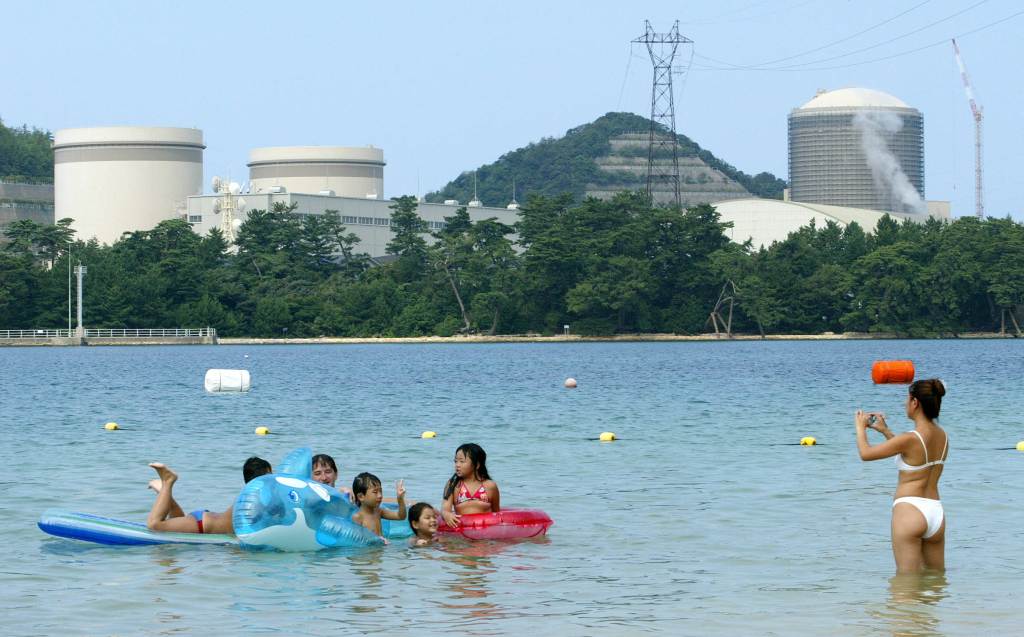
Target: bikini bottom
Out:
[930,509]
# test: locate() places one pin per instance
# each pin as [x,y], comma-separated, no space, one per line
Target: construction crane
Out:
[978,113]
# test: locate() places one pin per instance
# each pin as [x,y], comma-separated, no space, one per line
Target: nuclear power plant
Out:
[855,154]
[859,148]
[120,179]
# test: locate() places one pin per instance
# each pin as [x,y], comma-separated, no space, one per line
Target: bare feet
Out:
[167,476]
[156,484]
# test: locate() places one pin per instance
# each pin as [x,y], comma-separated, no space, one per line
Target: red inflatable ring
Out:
[507,524]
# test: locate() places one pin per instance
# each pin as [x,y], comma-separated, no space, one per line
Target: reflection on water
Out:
[911,610]
[472,567]
[366,565]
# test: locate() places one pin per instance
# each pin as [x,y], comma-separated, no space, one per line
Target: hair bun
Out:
[938,387]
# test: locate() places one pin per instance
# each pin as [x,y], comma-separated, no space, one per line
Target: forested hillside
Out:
[567,164]
[25,155]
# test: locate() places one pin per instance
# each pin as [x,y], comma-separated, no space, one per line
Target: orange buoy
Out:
[892,372]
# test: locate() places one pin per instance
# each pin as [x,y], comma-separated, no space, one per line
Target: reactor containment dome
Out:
[331,170]
[118,179]
[857,147]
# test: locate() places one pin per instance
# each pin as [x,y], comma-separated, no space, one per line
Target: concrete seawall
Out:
[115,340]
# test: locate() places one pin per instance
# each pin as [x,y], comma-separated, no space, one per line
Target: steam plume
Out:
[875,127]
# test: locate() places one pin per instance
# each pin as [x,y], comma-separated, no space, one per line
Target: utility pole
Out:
[69,288]
[80,271]
[978,113]
[663,146]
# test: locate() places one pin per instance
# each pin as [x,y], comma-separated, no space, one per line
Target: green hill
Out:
[26,155]
[599,158]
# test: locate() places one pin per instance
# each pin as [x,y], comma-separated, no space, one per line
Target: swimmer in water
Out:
[167,514]
[470,489]
[423,520]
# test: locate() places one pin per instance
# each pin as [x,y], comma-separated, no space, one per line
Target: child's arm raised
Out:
[493,495]
[388,514]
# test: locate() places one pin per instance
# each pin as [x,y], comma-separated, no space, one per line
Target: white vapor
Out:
[875,127]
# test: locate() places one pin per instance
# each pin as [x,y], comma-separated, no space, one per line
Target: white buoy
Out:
[227,380]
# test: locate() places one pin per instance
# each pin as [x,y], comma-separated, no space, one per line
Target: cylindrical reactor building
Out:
[343,171]
[847,148]
[118,179]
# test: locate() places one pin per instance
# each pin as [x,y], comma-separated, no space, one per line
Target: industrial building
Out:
[339,170]
[25,201]
[857,147]
[765,221]
[118,179]
[316,179]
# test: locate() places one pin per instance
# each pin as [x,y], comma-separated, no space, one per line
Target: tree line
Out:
[602,267]
[26,155]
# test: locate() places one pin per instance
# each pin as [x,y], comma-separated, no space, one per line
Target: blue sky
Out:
[445,87]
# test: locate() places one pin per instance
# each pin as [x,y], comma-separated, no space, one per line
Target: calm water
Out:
[704,519]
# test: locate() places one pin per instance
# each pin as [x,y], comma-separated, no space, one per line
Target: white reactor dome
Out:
[348,171]
[854,98]
[117,179]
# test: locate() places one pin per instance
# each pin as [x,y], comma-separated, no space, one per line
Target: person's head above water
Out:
[926,394]
[366,483]
[423,519]
[470,464]
[255,467]
[325,471]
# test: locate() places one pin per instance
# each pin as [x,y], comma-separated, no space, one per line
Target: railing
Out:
[151,333]
[37,333]
[113,333]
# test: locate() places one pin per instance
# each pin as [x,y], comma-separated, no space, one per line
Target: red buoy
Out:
[892,372]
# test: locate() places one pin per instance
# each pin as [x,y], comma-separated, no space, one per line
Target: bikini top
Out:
[903,466]
[465,496]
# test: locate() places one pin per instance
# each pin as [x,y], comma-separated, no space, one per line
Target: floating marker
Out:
[607,436]
[111,426]
[428,434]
[262,431]
[808,441]
[892,372]
[570,383]
[1020,446]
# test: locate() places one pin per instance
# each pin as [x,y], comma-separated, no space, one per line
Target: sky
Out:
[445,87]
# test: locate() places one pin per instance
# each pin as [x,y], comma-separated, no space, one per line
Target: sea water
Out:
[705,517]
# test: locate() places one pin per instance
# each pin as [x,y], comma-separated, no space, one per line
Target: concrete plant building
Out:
[25,201]
[765,221]
[315,179]
[340,170]
[118,179]
[845,144]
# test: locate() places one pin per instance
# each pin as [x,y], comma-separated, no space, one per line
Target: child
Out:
[423,520]
[471,489]
[167,514]
[368,496]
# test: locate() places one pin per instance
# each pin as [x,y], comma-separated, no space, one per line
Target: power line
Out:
[763,66]
[849,37]
[942,42]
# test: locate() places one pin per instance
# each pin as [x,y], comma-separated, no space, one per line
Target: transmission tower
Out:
[663,150]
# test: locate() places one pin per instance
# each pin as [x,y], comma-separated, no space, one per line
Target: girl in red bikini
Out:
[470,489]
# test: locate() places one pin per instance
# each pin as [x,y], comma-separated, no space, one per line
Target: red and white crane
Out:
[978,113]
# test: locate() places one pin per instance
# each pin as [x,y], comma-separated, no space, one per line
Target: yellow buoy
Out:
[606,436]
[1020,446]
[807,441]
[428,434]
[111,426]
[262,431]
[570,383]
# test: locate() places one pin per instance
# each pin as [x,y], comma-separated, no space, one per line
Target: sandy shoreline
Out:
[562,338]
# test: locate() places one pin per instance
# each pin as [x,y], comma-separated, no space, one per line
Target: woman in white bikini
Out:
[918,521]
